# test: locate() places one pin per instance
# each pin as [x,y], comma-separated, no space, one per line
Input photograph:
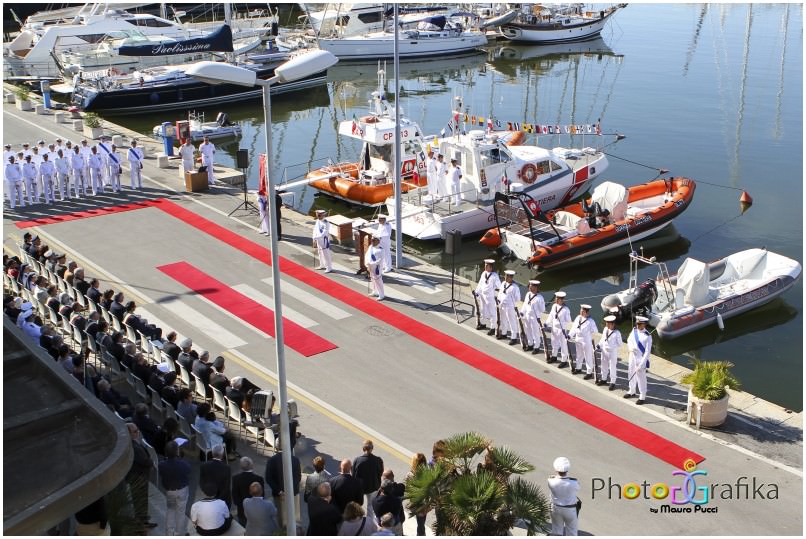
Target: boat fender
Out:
[368,119]
[720,322]
[528,173]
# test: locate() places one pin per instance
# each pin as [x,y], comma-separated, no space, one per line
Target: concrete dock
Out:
[387,380]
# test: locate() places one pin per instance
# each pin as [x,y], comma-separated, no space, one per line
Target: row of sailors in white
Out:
[207,150]
[442,180]
[83,168]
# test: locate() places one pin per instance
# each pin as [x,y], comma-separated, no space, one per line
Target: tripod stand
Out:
[246,204]
[452,243]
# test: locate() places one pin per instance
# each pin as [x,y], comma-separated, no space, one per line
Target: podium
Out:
[195,181]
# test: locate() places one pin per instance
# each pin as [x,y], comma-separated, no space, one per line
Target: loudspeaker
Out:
[242,157]
[453,242]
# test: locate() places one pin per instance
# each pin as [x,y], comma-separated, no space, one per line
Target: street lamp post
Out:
[294,69]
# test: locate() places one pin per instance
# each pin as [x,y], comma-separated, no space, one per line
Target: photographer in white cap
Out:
[564,490]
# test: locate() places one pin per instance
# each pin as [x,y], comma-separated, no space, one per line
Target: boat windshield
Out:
[383,153]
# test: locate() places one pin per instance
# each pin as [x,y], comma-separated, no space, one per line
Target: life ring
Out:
[529,173]
[368,119]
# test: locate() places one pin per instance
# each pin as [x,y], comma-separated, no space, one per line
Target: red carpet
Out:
[97,212]
[296,337]
[572,405]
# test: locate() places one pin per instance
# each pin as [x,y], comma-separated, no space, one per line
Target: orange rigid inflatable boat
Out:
[348,182]
[613,216]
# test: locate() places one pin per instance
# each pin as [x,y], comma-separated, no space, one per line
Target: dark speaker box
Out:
[243,158]
[453,242]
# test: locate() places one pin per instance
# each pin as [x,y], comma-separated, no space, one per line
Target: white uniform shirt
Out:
[559,317]
[373,259]
[186,151]
[321,231]
[13,173]
[455,175]
[29,171]
[488,282]
[36,159]
[207,150]
[533,305]
[52,155]
[610,340]
[85,152]
[639,359]
[76,161]
[564,490]
[96,162]
[509,294]
[209,514]
[7,154]
[582,329]
[384,231]
[135,157]
[47,169]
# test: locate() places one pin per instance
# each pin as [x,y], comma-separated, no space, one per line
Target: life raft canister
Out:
[368,119]
[528,173]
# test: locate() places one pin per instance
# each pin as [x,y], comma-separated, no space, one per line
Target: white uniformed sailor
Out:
[187,152]
[52,155]
[207,151]
[13,176]
[532,310]
[36,159]
[321,240]
[30,175]
[373,260]
[610,343]
[8,152]
[558,319]
[439,181]
[454,177]
[96,165]
[135,158]
[60,146]
[564,491]
[582,329]
[115,163]
[62,165]
[105,153]
[384,231]
[431,173]
[26,150]
[508,296]
[77,166]
[639,345]
[489,282]
[86,151]
[47,171]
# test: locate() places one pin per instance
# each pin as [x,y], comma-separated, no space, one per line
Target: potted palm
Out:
[475,488]
[708,396]
[22,94]
[92,125]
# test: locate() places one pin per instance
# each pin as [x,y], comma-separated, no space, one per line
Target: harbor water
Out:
[708,91]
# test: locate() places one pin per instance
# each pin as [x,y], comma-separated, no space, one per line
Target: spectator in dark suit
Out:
[116,308]
[387,502]
[113,399]
[79,283]
[138,478]
[345,487]
[170,346]
[93,321]
[324,518]
[170,393]
[216,471]
[274,478]
[240,486]
[151,432]
[93,292]
[368,469]
[201,367]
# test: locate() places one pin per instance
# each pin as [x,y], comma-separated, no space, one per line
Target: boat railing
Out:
[291,174]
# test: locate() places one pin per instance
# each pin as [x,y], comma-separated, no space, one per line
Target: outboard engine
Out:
[222,119]
[632,302]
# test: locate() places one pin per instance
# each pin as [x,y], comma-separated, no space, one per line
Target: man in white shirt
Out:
[187,152]
[431,173]
[207,151]
[135,158]
[610,343]
[531,311]
[508,297]
[47,171]
[13,176]
[96,166]
[373,260]
[639,344]
[8,153]
[454,182]
[30,175]
[115,163]
[558,319]
[60,146]
[582,329]
[86,151]
[77,166]
[384,232]
[26,150]
[36,159]
[62,165]
[489,282]
[564,491]
[210,515]
[321,240]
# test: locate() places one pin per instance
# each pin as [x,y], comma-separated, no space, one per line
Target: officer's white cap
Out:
[376,236]
[610,318]
[509,272]
[585,306]
[381,216]
[40,141]
[562,464]
[489,261]
[614,310]
[534,282]
[641,319]
[25,144]
[560,294]
[320,212]
[8,145]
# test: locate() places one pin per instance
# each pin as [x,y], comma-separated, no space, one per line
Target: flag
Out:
[534,208]
[550,130]
[545,129]
[466,117]
[481,121]
[573,130]
[456,117]
[557,129]
[565,127]
[489,124]
[588,128]
[473,120]
[498,123]
[509,126]
[442,133]
[517,126]
[436,142]
[355,130]
[599,128]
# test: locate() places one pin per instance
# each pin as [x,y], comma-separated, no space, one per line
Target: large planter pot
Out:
[24,105]
[714,413]
[93,132]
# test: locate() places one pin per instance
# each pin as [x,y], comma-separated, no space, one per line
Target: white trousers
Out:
[564,520]
[558,342]
[369,498]
[135,176]
[386,243]
[533,334]
[210,173]
[114,180]
[377,283]
[488,310]
[176,503]
[64,185]
[455,188]
[95,176]
[638,380]
[47,188]
[609,361]
[585,352]
[78,182]
[324,256]
[15,193]
[509,321]
[32,190]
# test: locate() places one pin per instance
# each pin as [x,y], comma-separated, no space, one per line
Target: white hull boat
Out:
[557,24]
[702,294]
[219,129]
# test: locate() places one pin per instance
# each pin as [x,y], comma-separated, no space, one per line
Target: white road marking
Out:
[267,300]
[310,299]
[152,319]
[203,324]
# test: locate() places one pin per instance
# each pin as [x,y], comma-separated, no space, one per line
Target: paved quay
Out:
[402,371]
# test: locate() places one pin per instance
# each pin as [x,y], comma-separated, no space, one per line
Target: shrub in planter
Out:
[708,391]
[22,94]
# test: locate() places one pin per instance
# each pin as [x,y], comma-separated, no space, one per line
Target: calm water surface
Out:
[709,91]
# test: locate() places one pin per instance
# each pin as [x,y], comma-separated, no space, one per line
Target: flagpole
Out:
[398,189]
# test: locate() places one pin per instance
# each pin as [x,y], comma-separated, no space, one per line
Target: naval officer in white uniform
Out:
[532,310]
[610,343]
[207,151]
[384,232]
[508,296]
[135,158]
[582,329]
[558,319]
[321,240]
[373,260]
[639,345]
[564,491]
[489,283]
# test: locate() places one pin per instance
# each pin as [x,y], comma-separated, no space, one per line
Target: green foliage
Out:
[92,120]
[475,490]
[22,93]
[709,378]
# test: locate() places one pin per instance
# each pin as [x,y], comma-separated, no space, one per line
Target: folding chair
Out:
[184,377]
[155,460]
[93,306]
[169,360]
[218,400]
[116,323]
[140,389]
[199,389]
[201,442]
[234,413]
[131,335]
[81,299]
[105,314]
[93,346]
[168,408]
[156,401]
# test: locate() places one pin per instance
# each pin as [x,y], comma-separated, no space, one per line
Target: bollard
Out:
[40,109]
[162,160]
[78,125]
[60,117]
[117,140]
[10,98]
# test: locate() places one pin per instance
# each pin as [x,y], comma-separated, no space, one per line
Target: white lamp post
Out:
[297,68]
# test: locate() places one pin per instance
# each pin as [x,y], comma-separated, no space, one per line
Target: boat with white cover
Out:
[556,23]
[702,294]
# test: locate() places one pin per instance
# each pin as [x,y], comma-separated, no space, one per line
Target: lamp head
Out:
[305,65]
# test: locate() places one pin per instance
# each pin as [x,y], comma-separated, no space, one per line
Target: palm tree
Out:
[475,489]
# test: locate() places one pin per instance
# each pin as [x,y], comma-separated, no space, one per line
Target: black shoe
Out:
[587,376]
[513,342]
[149,524]
[481,326]
[562,365]
[574,370]
[491,332]
[640,402]
[612,387]
[535,351]
[499,337]
[551,359]
[529,348]
[628,396]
